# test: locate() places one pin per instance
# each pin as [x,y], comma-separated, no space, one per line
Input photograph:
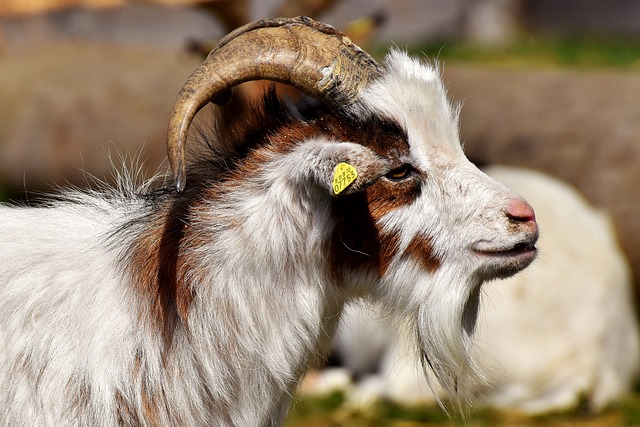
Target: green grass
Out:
[629,408]
[536,51]
[331,410]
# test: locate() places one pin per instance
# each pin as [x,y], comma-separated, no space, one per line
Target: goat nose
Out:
[519,210]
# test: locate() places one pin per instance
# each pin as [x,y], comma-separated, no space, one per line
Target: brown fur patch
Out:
[386,196]
[385,137]
[357,242]
[159,268]
[279,143]
[420,249]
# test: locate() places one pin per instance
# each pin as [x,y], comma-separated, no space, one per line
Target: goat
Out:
[207,302]
[561,334]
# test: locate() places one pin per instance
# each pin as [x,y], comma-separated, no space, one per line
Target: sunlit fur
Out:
[149,307]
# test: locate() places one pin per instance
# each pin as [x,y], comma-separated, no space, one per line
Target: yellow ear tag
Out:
[343,175]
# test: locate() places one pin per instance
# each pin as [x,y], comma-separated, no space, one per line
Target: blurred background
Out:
[548,85]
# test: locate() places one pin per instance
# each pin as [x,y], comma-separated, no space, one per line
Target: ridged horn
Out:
[311,56]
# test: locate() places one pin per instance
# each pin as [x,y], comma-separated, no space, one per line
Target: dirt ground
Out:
[65,107]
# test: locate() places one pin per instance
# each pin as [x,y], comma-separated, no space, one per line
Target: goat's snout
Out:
[513,248]
[518,210]
[523,218]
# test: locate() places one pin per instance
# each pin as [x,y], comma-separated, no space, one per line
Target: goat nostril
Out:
[520,211]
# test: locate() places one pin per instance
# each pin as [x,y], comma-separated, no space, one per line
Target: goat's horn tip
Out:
[180,179]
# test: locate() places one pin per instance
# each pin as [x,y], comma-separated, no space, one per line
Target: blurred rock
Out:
[65,107]
[492,22]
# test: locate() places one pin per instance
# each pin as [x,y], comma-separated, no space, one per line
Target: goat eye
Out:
[400,173]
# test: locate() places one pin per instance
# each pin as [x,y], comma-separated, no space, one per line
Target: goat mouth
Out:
[522,249]
[505,262]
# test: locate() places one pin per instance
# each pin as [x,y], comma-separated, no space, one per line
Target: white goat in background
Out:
[206,305]
[562,333]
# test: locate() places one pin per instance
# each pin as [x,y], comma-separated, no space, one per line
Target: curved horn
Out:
[314,57]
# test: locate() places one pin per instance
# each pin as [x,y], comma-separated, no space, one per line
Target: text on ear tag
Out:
[343,175]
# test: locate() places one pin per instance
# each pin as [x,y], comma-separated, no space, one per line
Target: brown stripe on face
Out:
[420,249]
[385,196]
[357,242]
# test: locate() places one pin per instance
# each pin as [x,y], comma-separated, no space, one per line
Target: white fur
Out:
[560,334]
[79,345]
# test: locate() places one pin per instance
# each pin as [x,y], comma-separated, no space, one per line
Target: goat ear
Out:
[345,168]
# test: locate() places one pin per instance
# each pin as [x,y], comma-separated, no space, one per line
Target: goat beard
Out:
[445,325]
